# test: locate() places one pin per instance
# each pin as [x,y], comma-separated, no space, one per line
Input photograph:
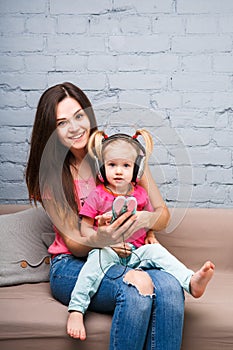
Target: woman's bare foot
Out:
[201,278]
[75,325]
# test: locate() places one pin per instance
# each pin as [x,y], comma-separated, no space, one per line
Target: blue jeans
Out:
[154,324]
[100,260]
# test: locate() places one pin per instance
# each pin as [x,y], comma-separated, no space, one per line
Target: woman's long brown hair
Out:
[44,127]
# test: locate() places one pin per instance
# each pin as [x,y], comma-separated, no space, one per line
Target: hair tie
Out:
[105,136]
[134,136]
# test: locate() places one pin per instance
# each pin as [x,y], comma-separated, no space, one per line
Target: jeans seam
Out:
[115,337]
[153,315]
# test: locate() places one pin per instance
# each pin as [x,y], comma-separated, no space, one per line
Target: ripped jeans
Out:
[141,322]
[100,260]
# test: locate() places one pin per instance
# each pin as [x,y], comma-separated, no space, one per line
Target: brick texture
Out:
[166,65]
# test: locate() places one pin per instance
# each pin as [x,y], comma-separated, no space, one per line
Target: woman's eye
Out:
[78,116]
[61,123]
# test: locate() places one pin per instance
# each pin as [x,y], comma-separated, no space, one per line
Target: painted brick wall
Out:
[166,65]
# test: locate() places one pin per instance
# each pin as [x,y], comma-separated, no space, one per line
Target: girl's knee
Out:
[141,280]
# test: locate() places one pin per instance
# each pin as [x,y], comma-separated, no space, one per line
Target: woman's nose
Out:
[73,125]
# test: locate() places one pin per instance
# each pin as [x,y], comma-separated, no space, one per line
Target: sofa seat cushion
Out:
[29,311]
[208,320]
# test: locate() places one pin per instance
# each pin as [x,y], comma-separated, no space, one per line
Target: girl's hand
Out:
[150,238]
[122,249]
[104,219]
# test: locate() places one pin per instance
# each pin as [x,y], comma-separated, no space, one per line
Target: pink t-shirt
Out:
[100,201]
[99,197]
[83,188]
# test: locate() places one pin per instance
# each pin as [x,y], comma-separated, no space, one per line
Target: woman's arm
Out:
[159,219]
[87,226]
[106,235]
[122,249]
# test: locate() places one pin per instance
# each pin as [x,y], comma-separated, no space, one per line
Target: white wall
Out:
[166,65]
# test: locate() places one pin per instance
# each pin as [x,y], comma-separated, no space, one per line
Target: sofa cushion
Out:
[31,318]
[24,239]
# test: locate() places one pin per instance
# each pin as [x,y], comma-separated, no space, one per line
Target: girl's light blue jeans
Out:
[155,323]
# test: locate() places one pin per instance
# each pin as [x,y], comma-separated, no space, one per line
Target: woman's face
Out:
[73,125]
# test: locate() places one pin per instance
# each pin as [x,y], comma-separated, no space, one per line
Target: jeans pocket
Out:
[58,258]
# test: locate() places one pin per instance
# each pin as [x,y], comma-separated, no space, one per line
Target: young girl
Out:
[60,176]
[120,161]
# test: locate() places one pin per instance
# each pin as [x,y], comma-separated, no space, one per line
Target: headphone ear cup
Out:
[99,169]
[138,168]
[141,168]
[135,172]
[102,174]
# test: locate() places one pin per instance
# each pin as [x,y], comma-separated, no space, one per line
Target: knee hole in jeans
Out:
[141,280]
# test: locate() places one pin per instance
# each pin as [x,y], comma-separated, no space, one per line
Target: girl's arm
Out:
[159,219]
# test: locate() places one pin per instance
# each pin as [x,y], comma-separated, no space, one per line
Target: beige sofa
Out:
[30,318]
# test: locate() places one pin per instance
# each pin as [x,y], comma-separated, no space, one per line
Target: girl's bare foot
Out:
[75,325]
[201,278]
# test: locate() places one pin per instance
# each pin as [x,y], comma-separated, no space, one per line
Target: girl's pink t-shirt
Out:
[100,201]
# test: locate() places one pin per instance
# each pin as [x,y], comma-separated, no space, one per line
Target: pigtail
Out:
[95,144]
[149,144]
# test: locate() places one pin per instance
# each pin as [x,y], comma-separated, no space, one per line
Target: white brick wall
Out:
[162,64]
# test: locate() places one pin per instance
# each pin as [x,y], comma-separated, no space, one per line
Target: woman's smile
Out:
[77,137]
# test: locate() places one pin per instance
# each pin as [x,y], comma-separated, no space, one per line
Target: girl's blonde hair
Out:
[96,144]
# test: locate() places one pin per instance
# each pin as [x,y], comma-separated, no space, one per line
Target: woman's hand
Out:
[117,232]
[106,235]
[157,220]
[110,234]
[121,229]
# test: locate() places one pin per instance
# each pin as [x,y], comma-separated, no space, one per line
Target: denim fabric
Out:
[100,260]
[90,277]
[156,256]
[139,322]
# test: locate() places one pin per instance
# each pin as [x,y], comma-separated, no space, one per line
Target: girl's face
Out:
[119,160]
[73,125]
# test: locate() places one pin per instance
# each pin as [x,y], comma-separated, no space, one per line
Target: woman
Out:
[60,175]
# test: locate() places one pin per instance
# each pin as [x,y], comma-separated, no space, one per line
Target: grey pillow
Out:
[24,240]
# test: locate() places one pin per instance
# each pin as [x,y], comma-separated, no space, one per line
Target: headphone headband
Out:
[131,139]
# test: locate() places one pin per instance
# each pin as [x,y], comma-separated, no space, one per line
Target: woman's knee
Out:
[141,280]
[167,289]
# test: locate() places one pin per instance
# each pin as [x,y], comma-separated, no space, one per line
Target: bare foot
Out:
[201,278]
[75,325]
